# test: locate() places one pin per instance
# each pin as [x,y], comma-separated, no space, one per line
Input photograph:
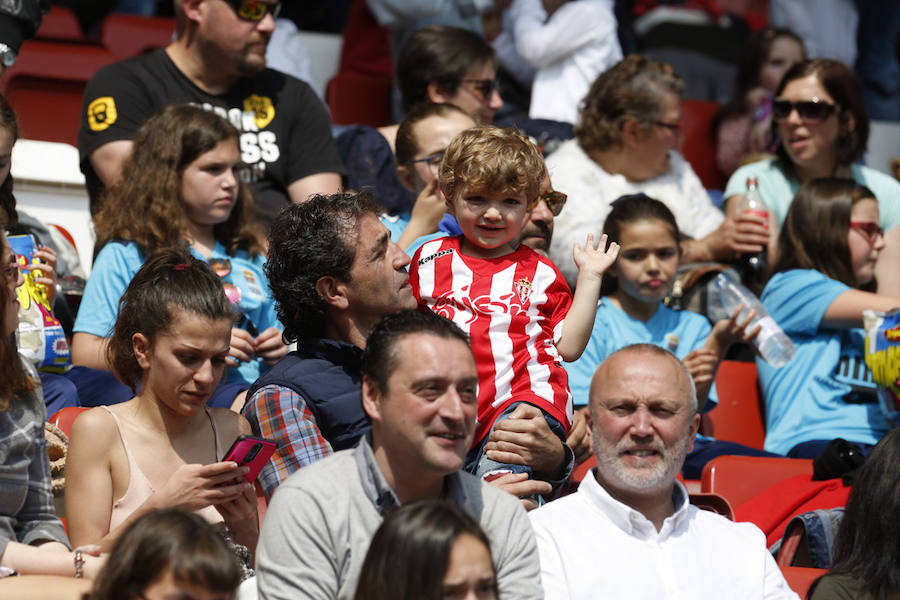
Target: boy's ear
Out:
[447,201]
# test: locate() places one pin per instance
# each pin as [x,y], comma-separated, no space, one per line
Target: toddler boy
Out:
[515,305]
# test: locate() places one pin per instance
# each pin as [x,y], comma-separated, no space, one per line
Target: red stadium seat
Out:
[740,478]
[127,35]
[46,84]
[60,25]
[359,99]
[739,414]
[801,578]
[65,417]
[699,144]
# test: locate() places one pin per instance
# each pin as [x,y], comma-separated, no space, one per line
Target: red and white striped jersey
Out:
[512,308]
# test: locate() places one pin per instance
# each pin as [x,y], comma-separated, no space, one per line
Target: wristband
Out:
[79,564]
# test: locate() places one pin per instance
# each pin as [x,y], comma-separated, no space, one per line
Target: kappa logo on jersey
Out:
[261,108]
[101,113]
[523,289]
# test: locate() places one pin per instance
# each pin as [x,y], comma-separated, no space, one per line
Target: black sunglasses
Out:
[254,10]
[809,110]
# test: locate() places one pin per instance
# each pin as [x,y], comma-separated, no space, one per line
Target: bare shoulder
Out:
[95,431]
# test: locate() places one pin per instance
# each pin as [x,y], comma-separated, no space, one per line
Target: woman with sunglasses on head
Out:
[822,283]
[179,188]
[819,116]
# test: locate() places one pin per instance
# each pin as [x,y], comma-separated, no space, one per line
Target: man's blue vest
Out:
[326,373]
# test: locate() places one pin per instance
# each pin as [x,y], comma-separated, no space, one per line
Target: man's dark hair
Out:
[309,241]
[379,360]
[441,54]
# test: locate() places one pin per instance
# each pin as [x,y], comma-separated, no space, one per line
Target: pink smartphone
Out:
[252,452]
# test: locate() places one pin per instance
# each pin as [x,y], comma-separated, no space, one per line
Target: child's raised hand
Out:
[594,260]
[732,330]
[701,364]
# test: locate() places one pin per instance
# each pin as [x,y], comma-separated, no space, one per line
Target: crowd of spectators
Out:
[435,325]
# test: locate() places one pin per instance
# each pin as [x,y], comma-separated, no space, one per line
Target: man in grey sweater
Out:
[419,389]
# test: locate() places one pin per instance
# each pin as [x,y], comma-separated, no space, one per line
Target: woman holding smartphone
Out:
[163,447]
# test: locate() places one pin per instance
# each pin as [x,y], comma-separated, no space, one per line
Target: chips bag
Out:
[883,359]
[40,337]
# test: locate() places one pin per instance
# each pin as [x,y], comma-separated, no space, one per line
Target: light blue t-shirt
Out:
[116,265]
[778,190]
[807,398]
[678,331]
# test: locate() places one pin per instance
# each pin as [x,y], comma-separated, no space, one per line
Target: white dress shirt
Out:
[568,50]
[592,546]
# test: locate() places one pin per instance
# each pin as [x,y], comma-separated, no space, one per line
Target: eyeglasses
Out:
[673,127]
[254,10]
[813,111]
[868,229]
[432,160]
[553,199]
[484,87]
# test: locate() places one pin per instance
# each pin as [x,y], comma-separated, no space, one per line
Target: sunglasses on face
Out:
[814,110]
[254,10]
[869,230]
[484,87]
[553,199]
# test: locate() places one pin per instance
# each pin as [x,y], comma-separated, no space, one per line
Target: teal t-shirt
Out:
[116,265]
[778,189]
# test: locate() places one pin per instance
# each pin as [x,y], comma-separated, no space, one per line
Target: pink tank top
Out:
[139,488]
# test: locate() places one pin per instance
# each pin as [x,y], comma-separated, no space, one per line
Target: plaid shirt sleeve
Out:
[280,414]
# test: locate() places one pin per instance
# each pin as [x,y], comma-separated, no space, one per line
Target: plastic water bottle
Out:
[753,203]
[773,345]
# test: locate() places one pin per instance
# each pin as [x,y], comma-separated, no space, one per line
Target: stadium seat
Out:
[359,99]
[46,84]
[698,144]
[127,35]
[740,478]
[60,25]
[65,417]
[801,578]
[739,414]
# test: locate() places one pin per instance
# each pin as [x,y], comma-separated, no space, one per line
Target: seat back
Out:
[698,144]
[60,24]
[801,578]
[127,35]
[359,99]
[740,478]
[65,417]
[46,84]
[739,414]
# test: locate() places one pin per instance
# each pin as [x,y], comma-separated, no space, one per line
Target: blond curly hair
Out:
[492,159]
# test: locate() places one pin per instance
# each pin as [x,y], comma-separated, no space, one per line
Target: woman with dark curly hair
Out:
[625,144]
[179,188]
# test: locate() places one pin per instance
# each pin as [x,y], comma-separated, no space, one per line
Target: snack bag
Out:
[40,337]
[883,359]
